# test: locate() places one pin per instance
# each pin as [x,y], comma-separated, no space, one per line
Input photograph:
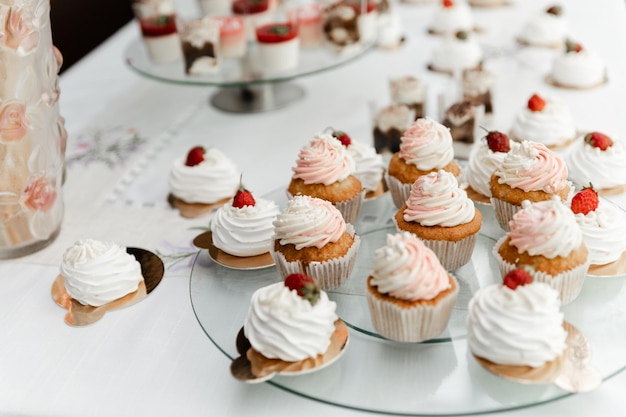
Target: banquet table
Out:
[154,358]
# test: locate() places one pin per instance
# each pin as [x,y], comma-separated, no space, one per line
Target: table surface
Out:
[153,358]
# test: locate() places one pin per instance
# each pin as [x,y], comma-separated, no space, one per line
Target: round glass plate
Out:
[438,377]
[236,73]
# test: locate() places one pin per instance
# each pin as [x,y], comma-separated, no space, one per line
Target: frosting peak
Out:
[427,144]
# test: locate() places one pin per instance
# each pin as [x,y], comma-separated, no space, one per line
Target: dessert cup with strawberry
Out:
[157,20]
[255,13]
[410,296]
[311,237]
[518,323]
[325,169]
[233,39]
[603,226]
[278,46]
[425,147]
[440,213]
[547,29]
[577,68]
[202,181]
[484,158]
[546,236]
[598,158]
[450,17]
[546,120]
[244,226]
[291,327]
[531,172]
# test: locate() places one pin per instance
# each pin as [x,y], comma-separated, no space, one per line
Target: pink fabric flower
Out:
[40,194]
[13,121]
[19,30]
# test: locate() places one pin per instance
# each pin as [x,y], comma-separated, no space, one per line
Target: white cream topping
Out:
[454,54]
[200,31]
[544,29]
[407,90]
[282,325]
[308,222]
[579,69]
[604,169]
[604,232]
[521,327]
[546,228]
[369,164]
[245,231]
[482,163]
[477,82]
[427,144]
[214,179]
[449,20]
[553,125]
[437,200]
[395,116]
[147,8]
[99,272]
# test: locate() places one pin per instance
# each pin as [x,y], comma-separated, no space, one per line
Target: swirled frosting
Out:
[449,20]
[533,167]
[578,69]
[604,169]
[324,160]
[521,327]
[455,54]
[603,232]
[545,228]
[99,272]
[554,125]
[406,269]
[212,180]
[482,163]
[282,325]
[245,231]
[307,222]
[437,200]
[544,29]
[427,145]
[369,164]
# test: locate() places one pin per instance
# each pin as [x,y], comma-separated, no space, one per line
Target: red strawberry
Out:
[342,137]
[306,287]
[555,10]
[585,200]
[243,198]
[599,140]
[571,46]
[195,156]
[497,141]
[519,276]
[536,103]
[448,3]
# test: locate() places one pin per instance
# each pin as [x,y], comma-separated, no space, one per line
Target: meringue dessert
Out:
[578,68]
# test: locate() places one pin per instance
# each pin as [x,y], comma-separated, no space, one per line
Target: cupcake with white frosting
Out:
[450,17]
[578,68]
[409,294]
[456,53]
[546,29]
[440,213]
[99,272]
[545,119]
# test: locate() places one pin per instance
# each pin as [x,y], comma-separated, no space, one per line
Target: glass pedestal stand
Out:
[256,98]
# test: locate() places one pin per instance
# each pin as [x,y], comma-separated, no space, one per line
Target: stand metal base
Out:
[257,98]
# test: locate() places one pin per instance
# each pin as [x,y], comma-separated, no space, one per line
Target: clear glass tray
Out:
[437,377]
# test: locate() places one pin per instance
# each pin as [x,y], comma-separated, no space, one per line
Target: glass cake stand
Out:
[438,377]
[245,88]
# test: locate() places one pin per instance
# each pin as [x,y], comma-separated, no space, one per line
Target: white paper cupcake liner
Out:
[451,254]
[504,212]
[568,283]
[349,209]
[399,191]
[415,324]
[330,274]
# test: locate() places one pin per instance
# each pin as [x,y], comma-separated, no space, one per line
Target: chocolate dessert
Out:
[477,85]
[460,118]
[341,25]
[389,126]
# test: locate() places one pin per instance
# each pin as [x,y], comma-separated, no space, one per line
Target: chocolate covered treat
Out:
[460,118]
[200,40]
[341,26]
[477,84]
[390,124]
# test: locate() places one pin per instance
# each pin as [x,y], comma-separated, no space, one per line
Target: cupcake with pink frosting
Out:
[311,237]
[325,169]
[529,172]
[545,236]
[441,214]
[425,147]
[409,294]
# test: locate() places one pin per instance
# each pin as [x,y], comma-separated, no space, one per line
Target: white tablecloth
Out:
[154,359]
